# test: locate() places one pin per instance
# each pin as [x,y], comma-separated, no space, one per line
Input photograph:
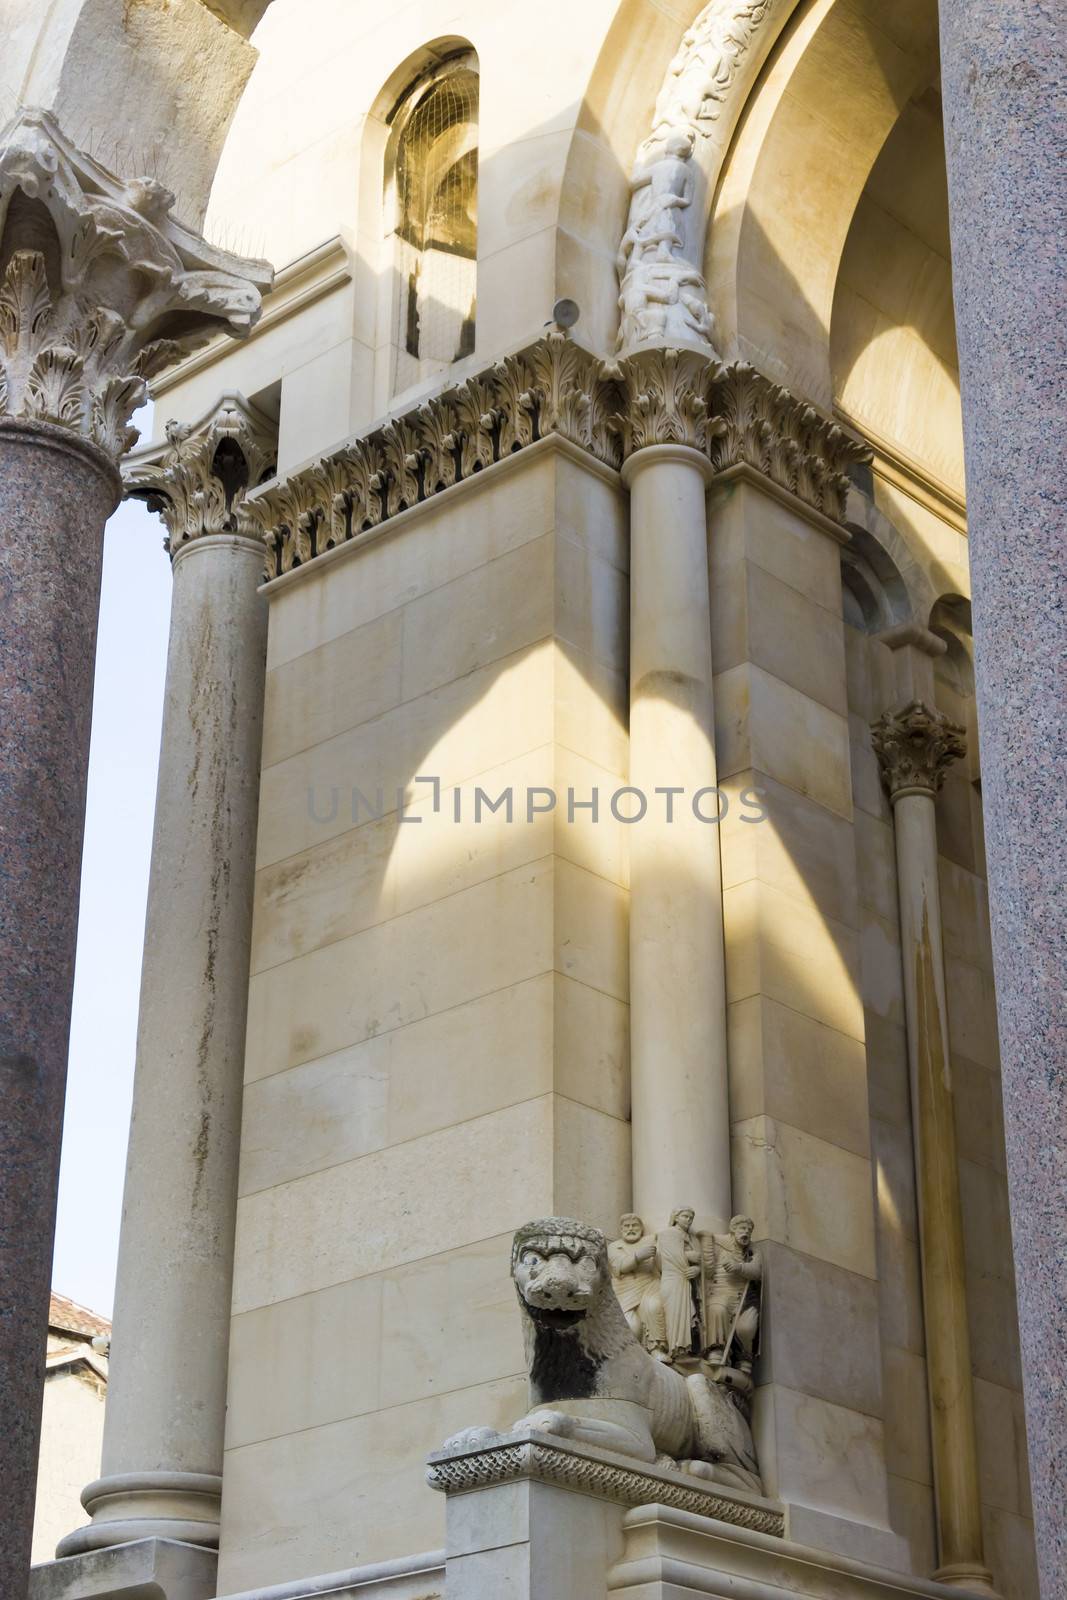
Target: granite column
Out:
[1004,99]
[56,492]
[94,271]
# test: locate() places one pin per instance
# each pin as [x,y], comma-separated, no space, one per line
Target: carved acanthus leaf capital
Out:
[101,287]
[763,426]
[915,746]
[666,397]
[199,478]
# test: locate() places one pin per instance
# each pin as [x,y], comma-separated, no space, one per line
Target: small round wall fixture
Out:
[565,313]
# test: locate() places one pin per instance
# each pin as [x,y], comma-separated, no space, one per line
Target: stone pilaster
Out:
[163,1435]
[915,746]
[1003,88]
[99,288]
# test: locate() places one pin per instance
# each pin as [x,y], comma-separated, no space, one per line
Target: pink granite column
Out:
[99,288]
[56,492]
[1005,96]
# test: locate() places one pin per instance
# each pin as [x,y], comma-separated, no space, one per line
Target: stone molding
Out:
[915,746]
[545,1459]
[663,297]
[733,415]
[198,480]
[101,288]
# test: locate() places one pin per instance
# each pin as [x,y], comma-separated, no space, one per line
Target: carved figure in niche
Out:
[593,1382]
[635,1279]
[731,1290]
[680,1259]
[663,295]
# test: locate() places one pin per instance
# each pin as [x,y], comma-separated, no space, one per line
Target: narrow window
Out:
[436,234]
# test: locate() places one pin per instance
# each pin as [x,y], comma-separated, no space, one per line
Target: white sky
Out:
[130,667]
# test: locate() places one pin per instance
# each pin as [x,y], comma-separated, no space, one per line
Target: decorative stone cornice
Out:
[198,480]
[100,286]
[663,297]
[665,399]
[761,425]
[915,746]
[527,1454]
[733,415]
[553,387]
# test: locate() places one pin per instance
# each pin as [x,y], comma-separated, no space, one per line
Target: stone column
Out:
[99,288]
[166,1408]
[915,745]
[680,1109]
[1003,90]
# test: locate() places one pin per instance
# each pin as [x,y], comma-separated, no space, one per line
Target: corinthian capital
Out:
[199,479]
[915,747]
[763,426]
[665,398]
[100,286]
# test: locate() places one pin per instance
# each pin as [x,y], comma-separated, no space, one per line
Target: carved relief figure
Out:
[590,1378]
[663,294]
[680,1257]
[732,1279]
[635,1279]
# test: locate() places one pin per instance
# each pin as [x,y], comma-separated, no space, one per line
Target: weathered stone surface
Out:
[1002,63]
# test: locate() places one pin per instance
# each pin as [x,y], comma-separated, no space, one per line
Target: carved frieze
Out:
[553,387]
[733,415]
[100,286]
[198,481]
[915,746]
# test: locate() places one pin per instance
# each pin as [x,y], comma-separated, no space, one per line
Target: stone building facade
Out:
[571,799]
[72,1419]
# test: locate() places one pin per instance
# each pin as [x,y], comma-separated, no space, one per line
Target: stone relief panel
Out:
[663,297]
[615,1339]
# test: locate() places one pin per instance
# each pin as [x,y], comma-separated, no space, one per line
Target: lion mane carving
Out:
[592,1381]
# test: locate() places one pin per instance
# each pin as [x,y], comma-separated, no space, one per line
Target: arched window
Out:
[434,174]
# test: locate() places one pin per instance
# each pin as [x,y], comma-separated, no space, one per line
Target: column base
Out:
[131,1507]
[165,1569]
[969,1575]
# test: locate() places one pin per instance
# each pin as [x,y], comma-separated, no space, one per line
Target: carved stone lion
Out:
[592,1381]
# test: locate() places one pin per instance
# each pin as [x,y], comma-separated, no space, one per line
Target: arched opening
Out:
[431,191]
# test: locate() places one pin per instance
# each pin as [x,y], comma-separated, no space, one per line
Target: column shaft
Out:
[681,1124]
[1003,85]
[163,1436]
[55,495]
[948,1353]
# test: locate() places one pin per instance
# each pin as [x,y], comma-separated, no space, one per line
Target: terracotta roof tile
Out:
[69,1317]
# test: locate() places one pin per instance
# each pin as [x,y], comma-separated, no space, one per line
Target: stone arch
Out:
[375,220]
[828,98]
[880,560]
[147,88]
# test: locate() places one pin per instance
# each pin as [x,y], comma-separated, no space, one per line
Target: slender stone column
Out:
[915,745]
[99,287]
[166,1409]
[1004,96]
[680,1108]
